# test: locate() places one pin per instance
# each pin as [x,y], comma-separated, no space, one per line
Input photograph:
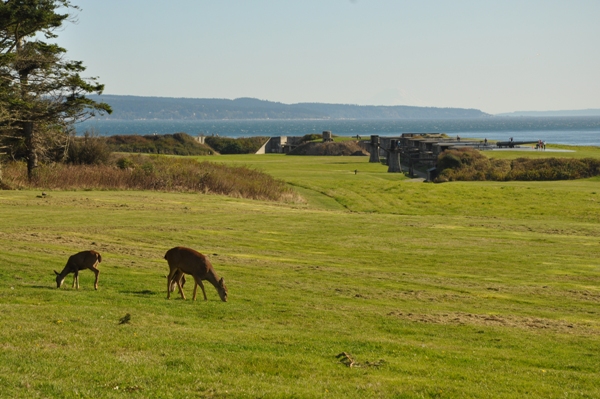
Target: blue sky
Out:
[497,56]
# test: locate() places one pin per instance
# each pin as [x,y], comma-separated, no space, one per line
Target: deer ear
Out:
[221,281]
[57,273]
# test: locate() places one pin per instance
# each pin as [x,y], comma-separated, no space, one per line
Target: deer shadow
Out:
[41,287]
[140,293]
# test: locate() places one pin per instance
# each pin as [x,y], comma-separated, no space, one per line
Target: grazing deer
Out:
[188,261]
[77,262]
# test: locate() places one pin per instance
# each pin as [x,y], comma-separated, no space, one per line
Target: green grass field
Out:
[470,289]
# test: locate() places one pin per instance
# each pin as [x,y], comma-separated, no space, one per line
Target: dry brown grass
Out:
[153,173]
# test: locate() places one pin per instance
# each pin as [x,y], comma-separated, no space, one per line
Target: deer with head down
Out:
[77,262]
[188,261]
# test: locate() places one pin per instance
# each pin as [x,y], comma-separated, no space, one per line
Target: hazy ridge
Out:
[167,108]
[575,112]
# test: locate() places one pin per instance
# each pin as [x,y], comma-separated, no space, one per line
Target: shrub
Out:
[172,144]
[242,145]
[154,173]
[125,163]
[233,148]
[462,164]
[499,169]
[553,169]
[90,149]
[448,160]
[469,164]
[312,137]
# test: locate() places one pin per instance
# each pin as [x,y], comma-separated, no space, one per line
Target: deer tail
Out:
[99,258]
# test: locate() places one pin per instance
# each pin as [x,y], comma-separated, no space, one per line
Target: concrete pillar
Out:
[394,158]
[374,149]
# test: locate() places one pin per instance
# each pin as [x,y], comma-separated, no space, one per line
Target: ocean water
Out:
[581,131]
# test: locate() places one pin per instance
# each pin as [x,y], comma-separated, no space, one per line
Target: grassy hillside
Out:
[477,289]
[175,144]
[241,145]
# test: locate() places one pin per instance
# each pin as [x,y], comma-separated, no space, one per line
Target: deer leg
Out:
[178,276]
[181,282]
[97,273]
[174,286]
[76,279]
[199,283]
[169,281]
[180,288]
[203,291]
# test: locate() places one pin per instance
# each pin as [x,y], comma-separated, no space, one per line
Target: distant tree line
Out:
[134,107]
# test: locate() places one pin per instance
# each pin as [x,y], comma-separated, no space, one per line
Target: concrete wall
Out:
[279,145]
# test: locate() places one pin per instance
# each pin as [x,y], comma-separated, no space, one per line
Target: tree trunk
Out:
[30,143]
[24,70]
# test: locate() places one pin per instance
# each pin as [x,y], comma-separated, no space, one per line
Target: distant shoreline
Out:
[169,108]
[556,130]
[497,116]
[550,114]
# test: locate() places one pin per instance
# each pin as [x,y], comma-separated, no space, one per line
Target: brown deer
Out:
[77,262]
[188,261]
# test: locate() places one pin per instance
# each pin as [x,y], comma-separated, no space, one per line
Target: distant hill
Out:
[139,108]
[580,112]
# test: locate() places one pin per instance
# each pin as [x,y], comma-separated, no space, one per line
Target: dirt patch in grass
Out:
[411,295]
[584,295]
[578,278]
[523,322]
[79,243]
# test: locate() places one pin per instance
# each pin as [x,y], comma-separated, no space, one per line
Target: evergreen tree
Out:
[41,92]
